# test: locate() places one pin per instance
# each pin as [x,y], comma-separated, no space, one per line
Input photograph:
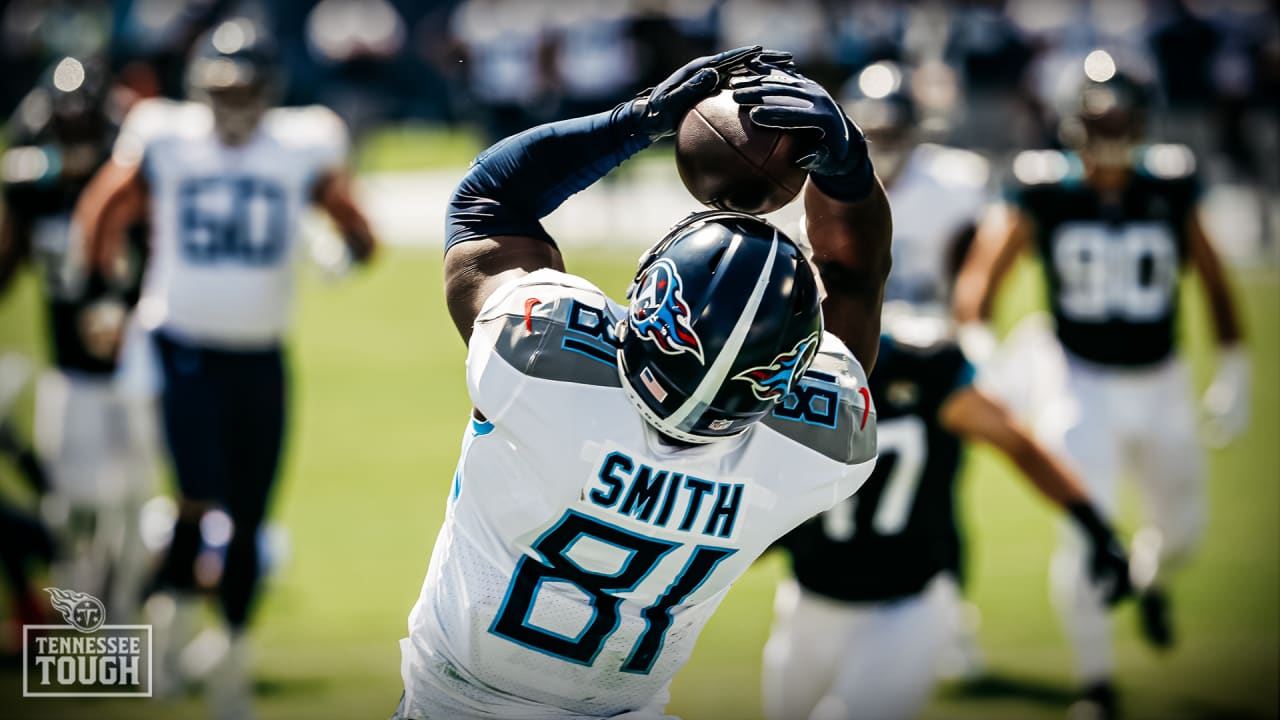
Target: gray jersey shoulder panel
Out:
[830,410]
[564,339]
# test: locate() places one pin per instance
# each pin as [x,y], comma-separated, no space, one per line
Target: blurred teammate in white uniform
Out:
[937,194]
[1114,224]
[98,447]
[624,465]
[223,183]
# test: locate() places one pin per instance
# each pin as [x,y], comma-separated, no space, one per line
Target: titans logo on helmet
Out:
[773,381]
[659,312]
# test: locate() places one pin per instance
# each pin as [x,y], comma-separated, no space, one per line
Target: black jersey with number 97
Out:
[898,531]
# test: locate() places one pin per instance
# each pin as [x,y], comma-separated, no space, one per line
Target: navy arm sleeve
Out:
[520,180]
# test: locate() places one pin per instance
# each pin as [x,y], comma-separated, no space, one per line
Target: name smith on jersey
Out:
[657,496]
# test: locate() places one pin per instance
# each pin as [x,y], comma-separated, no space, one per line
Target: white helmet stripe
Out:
[706,391]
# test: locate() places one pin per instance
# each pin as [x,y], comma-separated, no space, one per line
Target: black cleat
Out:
[1097,702]
[1153,604]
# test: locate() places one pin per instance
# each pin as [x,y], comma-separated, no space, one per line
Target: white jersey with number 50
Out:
[224,219]
[580,555]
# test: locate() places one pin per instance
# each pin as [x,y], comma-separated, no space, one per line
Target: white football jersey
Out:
[224,220]
[939,192]
[580,555]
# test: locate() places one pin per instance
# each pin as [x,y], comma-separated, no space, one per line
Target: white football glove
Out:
[1226,402]
[976,341]
[328,252]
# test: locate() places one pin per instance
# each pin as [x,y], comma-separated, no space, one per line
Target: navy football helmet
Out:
[233,67]
[723,318]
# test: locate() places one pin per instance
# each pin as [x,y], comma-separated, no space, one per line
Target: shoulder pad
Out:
[310,125]
[1041,167]
[954,167]
[916,331]
[32,119]
[1168,161]
[158,116]
[26,164]
[155,119]
[553,326]
[830,410]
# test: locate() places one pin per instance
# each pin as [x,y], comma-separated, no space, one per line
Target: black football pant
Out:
[224,417]
[23,539]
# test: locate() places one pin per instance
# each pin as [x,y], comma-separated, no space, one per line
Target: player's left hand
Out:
[101,326]
[1226,402]
[786,100]
[977,342]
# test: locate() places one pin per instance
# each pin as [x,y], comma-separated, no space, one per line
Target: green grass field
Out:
[378,412]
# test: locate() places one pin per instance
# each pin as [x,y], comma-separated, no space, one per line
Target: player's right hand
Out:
[663,107]
[1108,563]
[1226,402]
[977,342]
[1109,570]
[786,100]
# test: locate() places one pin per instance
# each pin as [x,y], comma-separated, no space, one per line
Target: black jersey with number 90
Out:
[1112,263]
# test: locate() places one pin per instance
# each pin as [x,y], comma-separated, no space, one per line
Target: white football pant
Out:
[1139,424]
[100,452]
[830,660]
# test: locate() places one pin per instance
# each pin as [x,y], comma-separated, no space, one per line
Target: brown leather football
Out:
[728,162]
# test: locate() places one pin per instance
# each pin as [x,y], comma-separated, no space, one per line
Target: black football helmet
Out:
[723,318]
[233,67]
[1102,108]
[880,101]
[878,97]
[78,93]
[68,112]
[68,106]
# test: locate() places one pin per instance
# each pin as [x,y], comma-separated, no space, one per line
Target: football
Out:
[728,162]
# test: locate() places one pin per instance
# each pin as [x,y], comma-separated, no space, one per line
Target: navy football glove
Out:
[784,99]
[661,108]
[766,61]
[1108,565]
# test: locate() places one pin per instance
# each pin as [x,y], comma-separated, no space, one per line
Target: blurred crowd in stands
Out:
[983,69]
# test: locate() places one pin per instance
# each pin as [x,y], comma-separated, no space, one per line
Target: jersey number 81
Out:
[643,556]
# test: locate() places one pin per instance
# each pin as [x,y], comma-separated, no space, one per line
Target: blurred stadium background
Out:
[379,403]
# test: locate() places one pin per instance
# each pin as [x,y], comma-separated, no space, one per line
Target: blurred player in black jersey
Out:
[859,631]
[95,443]
[1114,223]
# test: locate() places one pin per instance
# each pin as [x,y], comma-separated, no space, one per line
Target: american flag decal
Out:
[651,384]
